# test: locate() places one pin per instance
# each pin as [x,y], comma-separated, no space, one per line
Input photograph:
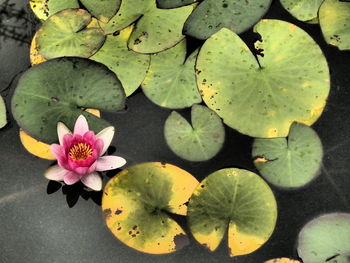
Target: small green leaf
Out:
[289,162]
[171,81]
[334,19]
[129,66]
[174,3]
[212,15]
[43,9]
[303,10]
[3,119]
[199,142]
[60,90]
[326,239]
[263,96]
[235,200]
[66,34]
[103,10]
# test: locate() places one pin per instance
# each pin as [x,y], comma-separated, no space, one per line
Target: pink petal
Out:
[107,136]
[55,173]
[98,147]
[67,142]
[81,126]
[89,137]
[93,181]
[61,131]
[81,170]
[71,178]
[56,150]
[109,163]
[92,168]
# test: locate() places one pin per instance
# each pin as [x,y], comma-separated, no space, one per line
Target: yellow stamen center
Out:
[80,151]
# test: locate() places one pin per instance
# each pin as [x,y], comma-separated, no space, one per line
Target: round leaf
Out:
[129,66]
[137,202]
[334,17]
[235,199]
[200,142]
[292,161]
[35,57]
[43,9]
[174,3]
[303,10]
[103,10]
[3,119]
[66,34]
[59,90]
[212,15]
[326,239]
[171,81]
[262,97]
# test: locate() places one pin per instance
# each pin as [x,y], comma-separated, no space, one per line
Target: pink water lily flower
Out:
[79,155]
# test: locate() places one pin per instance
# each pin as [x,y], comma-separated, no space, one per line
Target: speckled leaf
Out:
[262,97]
[3,119]
[103,10]
[326,239]
[235,199]
[34,55]
[303,10]
[289,162]
[212,15]
[45,8]
[129,66]
[174,3]
[282,260]
[137,202]
[66,34]
[199,142]
[171,80]
[334,19]
[59,90]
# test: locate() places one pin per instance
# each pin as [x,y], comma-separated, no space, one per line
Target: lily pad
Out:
[3,119]
[60,90]
[66,34]
[174,3]
[326,239]
[289,162]
[237,200]
[199,142]
[137,202]
[103,10]
[334,19]
[262,97]
[212,15]
[171,80]
[43,9]
[129,66]
[303,10]
[35,57]
[282,260]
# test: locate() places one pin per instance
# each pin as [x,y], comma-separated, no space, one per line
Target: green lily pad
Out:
[137,202]
[65,34]
[326,239]
[199,142]
[3,119]
[171,80]
[43,9]
[129,66]
[174,3]
[303,10]
[263,96]
[103,10]
[60,90]
[212,15]
[334,19]
[289,162]
[237,200]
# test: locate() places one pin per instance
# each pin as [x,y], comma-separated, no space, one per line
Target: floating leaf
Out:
[292,161]
[282,260]
[137,202]
[235,199]
[174,3]
[326,239]
[129,66]
[103,10]
[212,15]
[303,10]
[171,80]
[3,119]
[66,34]
[43,9]
[334,19]
[262,97]
[59,90]
[35,57]
[199,142]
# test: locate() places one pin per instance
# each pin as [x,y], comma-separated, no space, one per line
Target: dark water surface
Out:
[44,222]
